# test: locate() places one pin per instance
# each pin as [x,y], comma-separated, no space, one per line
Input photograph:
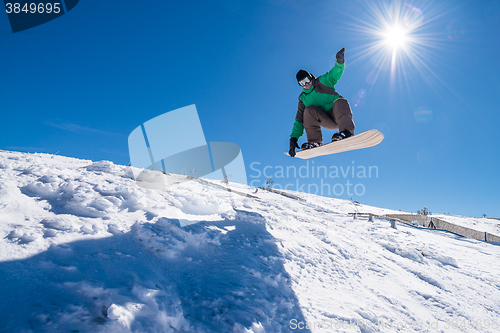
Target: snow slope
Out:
[83,249]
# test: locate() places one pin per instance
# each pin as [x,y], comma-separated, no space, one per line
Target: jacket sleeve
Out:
[298,125]
[333,76]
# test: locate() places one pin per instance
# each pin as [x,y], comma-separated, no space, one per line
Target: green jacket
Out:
[322,94]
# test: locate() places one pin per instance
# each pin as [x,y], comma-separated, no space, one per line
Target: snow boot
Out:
[309,145]
[342,135]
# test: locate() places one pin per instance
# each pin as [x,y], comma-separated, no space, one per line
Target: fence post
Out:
[370,218]
[355,216]
[394,224]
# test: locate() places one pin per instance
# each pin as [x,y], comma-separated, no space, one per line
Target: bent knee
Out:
[341,107]
[310,109]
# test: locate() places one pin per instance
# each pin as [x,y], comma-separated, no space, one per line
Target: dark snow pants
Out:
[339,118]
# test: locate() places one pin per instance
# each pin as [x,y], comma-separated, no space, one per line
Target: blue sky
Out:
[78,85]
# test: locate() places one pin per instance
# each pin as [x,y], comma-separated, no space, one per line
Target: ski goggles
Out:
[305,81]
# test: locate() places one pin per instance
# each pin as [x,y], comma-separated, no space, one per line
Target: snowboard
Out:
[365,139]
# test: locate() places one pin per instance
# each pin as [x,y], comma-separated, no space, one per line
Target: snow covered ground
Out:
[83,249]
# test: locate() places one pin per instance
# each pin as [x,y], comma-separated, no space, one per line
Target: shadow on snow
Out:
[218,276]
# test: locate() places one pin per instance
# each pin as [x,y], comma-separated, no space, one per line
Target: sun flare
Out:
[396,34]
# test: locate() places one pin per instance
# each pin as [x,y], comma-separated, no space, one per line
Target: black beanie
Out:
[302,74]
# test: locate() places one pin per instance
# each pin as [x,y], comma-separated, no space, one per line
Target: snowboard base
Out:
[362,140]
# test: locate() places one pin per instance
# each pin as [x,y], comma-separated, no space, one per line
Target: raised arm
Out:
[333,76]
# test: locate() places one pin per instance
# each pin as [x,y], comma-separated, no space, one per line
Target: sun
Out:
[395,37]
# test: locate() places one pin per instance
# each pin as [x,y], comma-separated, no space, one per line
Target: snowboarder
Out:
[321,106]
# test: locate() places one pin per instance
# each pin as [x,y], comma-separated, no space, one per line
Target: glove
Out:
[340,56]
[293,145]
